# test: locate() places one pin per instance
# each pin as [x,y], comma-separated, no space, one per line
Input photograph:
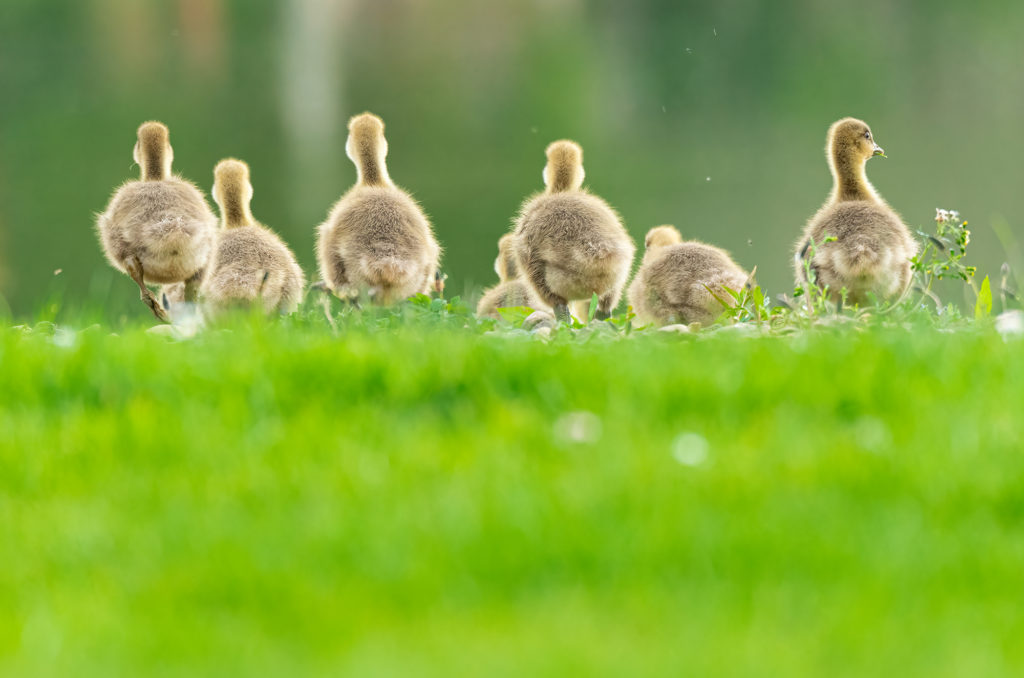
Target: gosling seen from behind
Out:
[158,229]
[570,244]
[376,237]
[682,282]
[511,289]
[872,248]
[250,263]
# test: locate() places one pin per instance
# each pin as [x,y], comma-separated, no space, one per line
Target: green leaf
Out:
[420,300]
[593,307]
[733,293]
[723,302]
[983,307]
[758,296]
[515,314]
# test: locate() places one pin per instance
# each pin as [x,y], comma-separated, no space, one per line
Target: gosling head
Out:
[505,265]
[367,148]
[662,236]
[153,151]
[232,191]
[850,141]
[564,171]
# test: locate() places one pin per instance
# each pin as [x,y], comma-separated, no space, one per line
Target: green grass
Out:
[270,499]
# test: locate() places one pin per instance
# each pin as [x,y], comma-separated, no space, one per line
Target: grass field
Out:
[270,499]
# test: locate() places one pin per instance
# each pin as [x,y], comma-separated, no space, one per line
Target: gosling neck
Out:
[509,269]
[155,166]
[650,253]
[370,164]
[235,211]
[851,181]
[562,179]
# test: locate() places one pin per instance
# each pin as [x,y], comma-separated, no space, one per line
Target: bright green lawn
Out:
[277,501]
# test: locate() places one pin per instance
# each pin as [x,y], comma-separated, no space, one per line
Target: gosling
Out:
[158,229]
[250,263]
[569,243]
[511,290]
[682,282]
[376,237]
[872,248]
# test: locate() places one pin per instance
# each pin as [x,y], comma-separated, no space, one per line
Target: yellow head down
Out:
[662,236]
[232,191]
[850,141]
[564,171]
[153,151]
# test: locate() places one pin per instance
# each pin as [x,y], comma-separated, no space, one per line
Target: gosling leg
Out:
[134,268]
[192,287]
[605,306]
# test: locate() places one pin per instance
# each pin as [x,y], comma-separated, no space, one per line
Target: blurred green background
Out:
[707,115]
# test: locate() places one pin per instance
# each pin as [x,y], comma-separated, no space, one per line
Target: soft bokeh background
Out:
[708,115]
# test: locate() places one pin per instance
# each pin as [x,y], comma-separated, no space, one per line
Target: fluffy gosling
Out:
[872,247]
[569,243]
[511,289]
[673,283]
[376,237]
[250,262]
[158,229]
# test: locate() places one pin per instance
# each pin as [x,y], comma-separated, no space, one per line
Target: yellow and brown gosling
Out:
[682,282]
[571,244]
[376,237]
[511,289]
[250,264]
[872,247]
[158,229]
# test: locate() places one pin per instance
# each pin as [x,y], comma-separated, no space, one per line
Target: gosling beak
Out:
[879,151]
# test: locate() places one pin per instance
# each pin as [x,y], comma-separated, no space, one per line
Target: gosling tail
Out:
[387,271]
[860,259]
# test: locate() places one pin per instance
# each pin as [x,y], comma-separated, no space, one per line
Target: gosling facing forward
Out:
[872,248]
[570,244]
[376,237]
[682,282]
[158,229]
[250,262]
[511,289]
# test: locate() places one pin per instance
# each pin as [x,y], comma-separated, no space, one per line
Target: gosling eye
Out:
[867,135]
